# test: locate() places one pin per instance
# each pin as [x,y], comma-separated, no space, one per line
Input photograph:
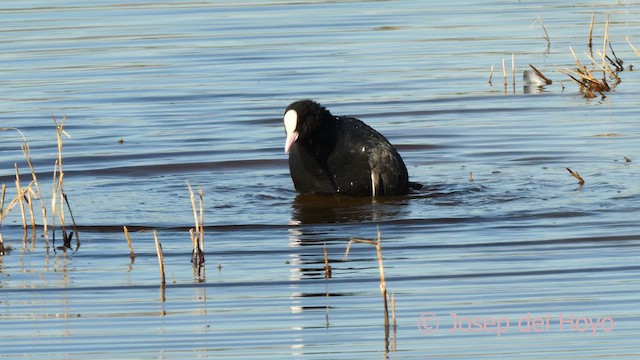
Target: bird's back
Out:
[363,162]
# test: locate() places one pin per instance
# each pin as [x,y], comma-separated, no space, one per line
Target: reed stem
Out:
[20,200]
[126,235]
[160,257]
[576,175]
[383,284]
[327,267]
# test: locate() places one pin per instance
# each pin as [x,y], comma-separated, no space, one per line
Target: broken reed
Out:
[576,175]
[539,74]
[160,257]
[546,34]
[590,43]
[126,235]
[59,196]
[327,267]
[383,284]
[633,47]
[197,234]
[24,196]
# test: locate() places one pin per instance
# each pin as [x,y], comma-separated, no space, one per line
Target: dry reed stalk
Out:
[393,346]
[383,284]
[58,189]
[160,257]
[58,178]
[576,175]
[583,76]
[13,202]
[513,69]
[590,44]
[197,236]
[504,73]
[606,69]
[30,195]
[27,154]
[73,220]
[194,243]
[539,74]
[546,34]
[201,197]
[126,235]
[616,61]
[20,200]
[327,267]
[470,177]
[5,211]
[633,47]
[491,75]
[26,150]
[604,44]
[54,197]
[392,302]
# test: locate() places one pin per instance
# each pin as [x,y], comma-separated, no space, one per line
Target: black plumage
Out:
[340,154]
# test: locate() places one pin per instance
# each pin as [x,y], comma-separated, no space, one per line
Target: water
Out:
[196,92]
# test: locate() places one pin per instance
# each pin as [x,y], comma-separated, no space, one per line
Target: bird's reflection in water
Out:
[323,209]
[317,220]
[312,219]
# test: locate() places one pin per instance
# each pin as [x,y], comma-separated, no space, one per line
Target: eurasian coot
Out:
[340,154]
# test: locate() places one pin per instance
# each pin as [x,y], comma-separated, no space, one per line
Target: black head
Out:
[302,118]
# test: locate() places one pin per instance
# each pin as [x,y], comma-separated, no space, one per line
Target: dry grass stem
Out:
[327,267]
[633,47]
[26,150]
[504,72]
[546,34]
[606,69]
[73,220]
[13,202]
[590,43]
[160,257]
[126,235]
[29,197]
[20,198]
[383,284]
[616,61]
[538,73]
[491,75]
[58,188]
[470,177]
[576,175]
[392,302]
[201,238]
[513,69]
[197,235]
[605,41]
